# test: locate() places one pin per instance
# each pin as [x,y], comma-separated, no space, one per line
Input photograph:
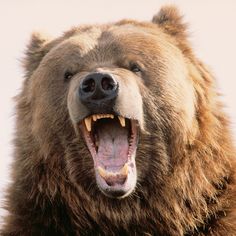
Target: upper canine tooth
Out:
[122,121]
[87,122]
[112,116]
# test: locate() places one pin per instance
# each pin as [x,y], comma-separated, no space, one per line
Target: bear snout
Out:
[98,92]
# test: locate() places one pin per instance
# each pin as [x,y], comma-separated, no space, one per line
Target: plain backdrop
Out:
[212,27]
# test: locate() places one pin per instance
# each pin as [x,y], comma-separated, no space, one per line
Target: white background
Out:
[212,29]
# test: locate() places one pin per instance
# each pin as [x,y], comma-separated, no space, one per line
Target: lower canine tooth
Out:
[102,172]
[125,170]
[122,121]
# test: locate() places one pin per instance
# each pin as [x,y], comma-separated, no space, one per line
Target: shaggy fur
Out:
[185,158]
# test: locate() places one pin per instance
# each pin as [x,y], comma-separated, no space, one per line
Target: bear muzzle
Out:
[106,110]
[112,141]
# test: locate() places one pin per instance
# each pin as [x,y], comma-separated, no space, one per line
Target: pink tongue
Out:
[113,144]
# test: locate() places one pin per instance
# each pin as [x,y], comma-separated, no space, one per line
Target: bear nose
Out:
[98,89]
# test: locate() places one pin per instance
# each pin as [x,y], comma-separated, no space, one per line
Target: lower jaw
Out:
[118,191]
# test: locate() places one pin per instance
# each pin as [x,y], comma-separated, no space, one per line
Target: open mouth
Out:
[112,141]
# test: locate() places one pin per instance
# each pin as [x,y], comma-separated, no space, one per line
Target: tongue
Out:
[113,144]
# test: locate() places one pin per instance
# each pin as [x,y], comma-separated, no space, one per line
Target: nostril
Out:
[108,83]
[98,90]
[88,85]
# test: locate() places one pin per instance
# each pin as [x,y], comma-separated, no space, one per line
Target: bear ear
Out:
[169,19]
[35,51]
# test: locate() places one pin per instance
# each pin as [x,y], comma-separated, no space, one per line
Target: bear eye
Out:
[134,67]
[68,75]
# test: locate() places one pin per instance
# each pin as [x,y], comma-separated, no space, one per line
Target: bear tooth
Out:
[122,121]
[100,116]
[94,117]
[87,122]
[102,172]
[105,174]
[110,116]
[124,170]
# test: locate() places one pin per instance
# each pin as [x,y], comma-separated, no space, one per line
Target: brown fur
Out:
[185,158]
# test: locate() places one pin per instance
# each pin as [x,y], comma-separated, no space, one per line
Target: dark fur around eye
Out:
[68,75]
[134,67]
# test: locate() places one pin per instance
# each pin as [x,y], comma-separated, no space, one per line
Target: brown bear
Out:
[120,131]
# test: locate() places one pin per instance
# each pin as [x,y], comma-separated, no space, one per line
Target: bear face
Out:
[120,132]
[105,77]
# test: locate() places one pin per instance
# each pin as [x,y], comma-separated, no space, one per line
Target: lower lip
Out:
[118,190]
